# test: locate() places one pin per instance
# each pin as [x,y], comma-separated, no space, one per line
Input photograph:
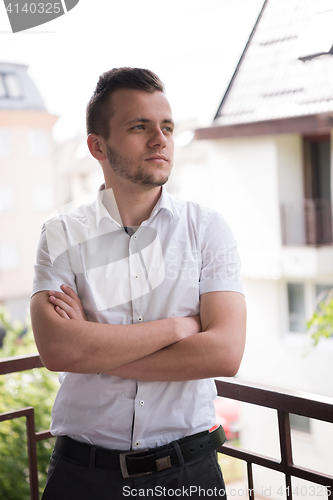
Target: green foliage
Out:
[35,388]
[321,323]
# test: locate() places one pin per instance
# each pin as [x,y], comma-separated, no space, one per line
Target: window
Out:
[300,423]
[296,307]
[38,142]
[13,86]
[3,92]
[8,255]
[302,302]
[317,38]
[6,199]
[317,167]
[10,87]
[317,186]
[322,292]
[4,142]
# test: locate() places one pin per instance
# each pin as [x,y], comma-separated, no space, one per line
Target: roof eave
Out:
[226,94]
[309,124]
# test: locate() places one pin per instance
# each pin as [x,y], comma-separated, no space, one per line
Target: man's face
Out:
[140,146]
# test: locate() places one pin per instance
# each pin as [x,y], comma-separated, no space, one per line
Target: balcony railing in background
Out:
[19,364]
[283,403]
[307,222]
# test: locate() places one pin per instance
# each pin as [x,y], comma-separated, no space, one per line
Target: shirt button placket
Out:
[137,276]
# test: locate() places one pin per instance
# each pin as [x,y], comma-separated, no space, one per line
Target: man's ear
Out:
[96,146]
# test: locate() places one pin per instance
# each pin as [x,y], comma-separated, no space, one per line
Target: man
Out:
[137,299]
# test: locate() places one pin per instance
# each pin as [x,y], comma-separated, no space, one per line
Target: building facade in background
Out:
[267,167]
[27,183]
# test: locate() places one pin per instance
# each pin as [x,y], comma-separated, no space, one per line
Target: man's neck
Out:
[133,205]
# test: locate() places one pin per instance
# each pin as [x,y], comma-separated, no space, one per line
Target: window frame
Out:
[8,94]
[309,303]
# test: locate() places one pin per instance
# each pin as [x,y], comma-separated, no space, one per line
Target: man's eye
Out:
[168,129]
[138,127]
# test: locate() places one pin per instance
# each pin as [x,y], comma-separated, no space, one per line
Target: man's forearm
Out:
[84,347]
[204,355]
[215,352]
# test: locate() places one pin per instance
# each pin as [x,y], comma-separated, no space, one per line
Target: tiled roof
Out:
[17,90]
[270,81]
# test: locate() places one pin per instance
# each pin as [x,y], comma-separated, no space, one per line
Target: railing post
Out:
[32,454]
[286,448]
[250,484]
[29,415]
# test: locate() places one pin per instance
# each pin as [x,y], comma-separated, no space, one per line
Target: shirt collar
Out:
[165,202]
[101,211]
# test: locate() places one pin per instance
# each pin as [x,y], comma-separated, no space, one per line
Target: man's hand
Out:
[67,303]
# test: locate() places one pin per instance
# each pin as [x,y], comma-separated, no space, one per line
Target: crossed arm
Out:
[216,351]
[172,349]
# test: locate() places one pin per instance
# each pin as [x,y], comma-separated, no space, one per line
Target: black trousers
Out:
[197,479]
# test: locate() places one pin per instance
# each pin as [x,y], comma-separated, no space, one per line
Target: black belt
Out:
[141,462]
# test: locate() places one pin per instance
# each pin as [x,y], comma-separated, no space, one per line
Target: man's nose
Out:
[157,139]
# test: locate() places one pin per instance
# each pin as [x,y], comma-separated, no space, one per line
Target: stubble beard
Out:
[123,168]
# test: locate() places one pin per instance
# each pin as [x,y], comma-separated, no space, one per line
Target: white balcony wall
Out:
[239,178]
[290,168]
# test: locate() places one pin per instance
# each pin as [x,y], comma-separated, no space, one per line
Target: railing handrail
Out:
[20,363]
[299,403]
[251,390]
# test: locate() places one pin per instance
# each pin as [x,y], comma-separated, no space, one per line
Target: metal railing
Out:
[283,403]
[19,364]
[307,222]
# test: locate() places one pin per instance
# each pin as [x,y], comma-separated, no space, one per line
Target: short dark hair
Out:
[98,111]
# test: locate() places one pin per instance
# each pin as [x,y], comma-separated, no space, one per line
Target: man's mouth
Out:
[157,158]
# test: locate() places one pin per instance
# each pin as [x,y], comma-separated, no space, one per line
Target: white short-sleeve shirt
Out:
[180,252]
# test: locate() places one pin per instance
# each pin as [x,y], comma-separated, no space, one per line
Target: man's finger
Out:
[64,306]
[68,291]
[62,313]
[63,297]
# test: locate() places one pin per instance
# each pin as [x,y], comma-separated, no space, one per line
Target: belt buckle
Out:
[123,464]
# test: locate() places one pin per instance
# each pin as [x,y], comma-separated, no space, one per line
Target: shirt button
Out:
[139,318]
[135,237]
[137,443]
[136,276]
[141,403]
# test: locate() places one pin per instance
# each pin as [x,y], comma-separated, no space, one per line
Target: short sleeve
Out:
[53,264]
[220,270]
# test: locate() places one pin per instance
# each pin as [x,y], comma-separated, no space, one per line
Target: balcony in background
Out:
[307,222]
